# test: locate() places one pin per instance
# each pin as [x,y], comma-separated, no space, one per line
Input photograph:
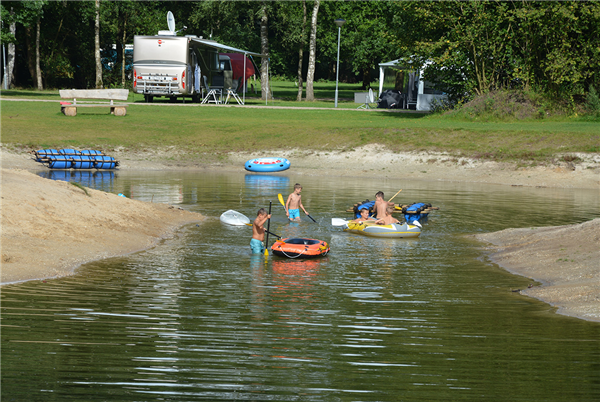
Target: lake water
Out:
[199,318]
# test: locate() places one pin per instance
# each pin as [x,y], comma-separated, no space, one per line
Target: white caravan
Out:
[180,66]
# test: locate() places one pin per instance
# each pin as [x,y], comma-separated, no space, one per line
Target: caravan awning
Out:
[217,45]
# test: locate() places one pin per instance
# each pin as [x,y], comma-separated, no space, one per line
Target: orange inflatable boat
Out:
[300,248]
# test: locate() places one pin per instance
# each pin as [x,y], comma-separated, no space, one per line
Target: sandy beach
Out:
[49,228]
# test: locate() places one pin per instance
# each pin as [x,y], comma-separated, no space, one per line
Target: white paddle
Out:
[338,222]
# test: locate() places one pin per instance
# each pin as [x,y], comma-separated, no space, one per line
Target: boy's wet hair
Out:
[379,194]
[297,185]
[261,211]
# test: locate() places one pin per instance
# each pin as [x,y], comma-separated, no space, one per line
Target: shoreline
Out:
[581,301]
[564,259]
[50,228]
[367,161]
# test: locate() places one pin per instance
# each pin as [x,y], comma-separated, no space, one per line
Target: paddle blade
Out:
[280,198]
[338,222]
[266,252]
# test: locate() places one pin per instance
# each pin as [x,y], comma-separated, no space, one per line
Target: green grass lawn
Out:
[221,129]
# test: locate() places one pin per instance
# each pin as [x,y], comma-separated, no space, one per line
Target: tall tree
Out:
[38,69]
[264,49]
[312,54]
[301,51]
[97,46]
[8,37]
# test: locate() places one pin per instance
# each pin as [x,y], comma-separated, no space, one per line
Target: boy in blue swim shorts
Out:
[258,231]
[294,214]
[294,203]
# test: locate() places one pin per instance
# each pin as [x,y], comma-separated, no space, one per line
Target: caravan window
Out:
[225,65]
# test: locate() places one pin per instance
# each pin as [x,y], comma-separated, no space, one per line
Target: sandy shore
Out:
[49,228]
[565,259]
[50,231]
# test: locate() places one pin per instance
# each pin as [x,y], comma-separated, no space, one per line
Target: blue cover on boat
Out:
[82,162]
[105,162]
[59,162]
[91,152]
[43,153]
[70,152]
[416,207]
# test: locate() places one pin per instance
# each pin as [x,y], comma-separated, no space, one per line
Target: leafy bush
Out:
[593,102]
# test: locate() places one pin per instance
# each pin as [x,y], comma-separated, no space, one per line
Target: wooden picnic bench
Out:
[70,108]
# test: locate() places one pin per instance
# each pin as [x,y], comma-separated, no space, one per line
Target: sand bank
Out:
[49,228]
[565,259]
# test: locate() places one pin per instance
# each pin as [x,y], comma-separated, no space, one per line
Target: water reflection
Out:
[96,179]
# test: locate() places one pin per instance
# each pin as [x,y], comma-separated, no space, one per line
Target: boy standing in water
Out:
[258,231]
[294,203]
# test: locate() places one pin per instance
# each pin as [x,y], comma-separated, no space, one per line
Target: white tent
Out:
[401,74]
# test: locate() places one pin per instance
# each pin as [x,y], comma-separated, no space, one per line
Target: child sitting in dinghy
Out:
[364,217]
[388,219]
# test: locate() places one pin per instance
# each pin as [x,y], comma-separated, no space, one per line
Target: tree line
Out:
[465,48]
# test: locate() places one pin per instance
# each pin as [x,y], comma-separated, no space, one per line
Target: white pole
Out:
[337,69]
[244,81]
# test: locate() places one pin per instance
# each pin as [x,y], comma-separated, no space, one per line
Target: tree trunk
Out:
[312,54]
[301,54]
[30,54]
[38,70]
[264,49]
[97,47]
[10,59]
[366,78]
[123,58]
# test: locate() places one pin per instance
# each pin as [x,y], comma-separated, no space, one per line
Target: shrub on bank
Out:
[506,105]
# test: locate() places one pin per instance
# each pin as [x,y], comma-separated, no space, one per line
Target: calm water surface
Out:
[199,318]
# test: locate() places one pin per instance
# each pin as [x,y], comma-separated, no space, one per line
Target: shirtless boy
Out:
[381,205]
[364,216]
[294,203]
[388,219]
[258,231]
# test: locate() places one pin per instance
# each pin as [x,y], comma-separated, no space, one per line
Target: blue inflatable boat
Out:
[267,165]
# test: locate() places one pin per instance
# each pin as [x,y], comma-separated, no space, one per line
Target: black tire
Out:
[148,98]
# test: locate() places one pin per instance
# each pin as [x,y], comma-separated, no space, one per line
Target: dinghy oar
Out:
[268,227]
[390,200]
[280,198]
[338,222]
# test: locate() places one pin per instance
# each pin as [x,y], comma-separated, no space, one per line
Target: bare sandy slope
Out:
[566,259]
[49,228]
